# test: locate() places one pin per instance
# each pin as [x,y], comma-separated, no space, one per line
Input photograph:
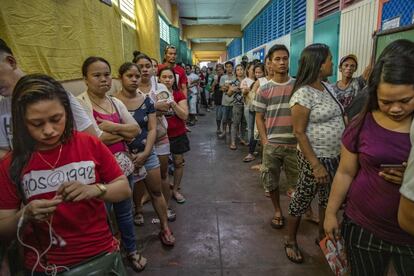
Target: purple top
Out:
[372,202]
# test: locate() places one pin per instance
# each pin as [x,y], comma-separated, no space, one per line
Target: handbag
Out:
[105,264]
[125,163]
[123,158]
[161,127]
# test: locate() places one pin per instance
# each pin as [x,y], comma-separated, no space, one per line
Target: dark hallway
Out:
[223,228]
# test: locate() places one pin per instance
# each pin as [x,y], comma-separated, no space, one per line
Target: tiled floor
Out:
[223,228]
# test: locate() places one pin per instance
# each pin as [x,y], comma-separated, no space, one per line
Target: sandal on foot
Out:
[233,147]
[298,254]
[139,219]
[167,237]
[277,222]
[137,262]
[249,158]
[179,198]
[171,215]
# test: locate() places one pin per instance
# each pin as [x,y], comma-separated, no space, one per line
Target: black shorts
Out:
[179,144]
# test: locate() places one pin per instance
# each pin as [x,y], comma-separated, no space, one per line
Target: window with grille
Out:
[347,3]
[274,21]
[298,14]
[128,8]
[325,7]
[164,29]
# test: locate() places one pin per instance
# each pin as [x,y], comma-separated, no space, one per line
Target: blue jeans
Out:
[125,221]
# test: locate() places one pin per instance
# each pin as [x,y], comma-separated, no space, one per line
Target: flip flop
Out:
[233,147]
[179,198]
[277,222]
[294,247]
[166,237]
[249,159]
[139,219]
[137,262]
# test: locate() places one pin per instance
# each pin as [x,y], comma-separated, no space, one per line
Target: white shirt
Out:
[192,78]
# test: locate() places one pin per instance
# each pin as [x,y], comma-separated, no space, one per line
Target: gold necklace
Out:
[57,160]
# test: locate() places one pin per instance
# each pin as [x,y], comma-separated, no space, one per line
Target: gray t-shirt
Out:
[347,95]
[325,125]
[226,79]
[407,187]
[80,116]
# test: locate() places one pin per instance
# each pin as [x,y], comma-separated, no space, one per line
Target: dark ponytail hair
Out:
[310,62]
[31,89]
[91,60]
[138,55]
[125,67]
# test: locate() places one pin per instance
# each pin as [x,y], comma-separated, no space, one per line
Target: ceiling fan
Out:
[195,18]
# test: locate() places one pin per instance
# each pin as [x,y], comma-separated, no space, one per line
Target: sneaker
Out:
[171,214]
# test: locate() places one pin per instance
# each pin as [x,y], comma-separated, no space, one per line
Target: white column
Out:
[310,19]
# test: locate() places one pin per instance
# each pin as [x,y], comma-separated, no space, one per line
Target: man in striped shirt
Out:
[274,123]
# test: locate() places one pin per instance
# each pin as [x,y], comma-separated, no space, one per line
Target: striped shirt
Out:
[272,99]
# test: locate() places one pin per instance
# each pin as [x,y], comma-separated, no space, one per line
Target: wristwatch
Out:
[102,188]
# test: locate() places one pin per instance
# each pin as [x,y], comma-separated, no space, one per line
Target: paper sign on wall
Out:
[391,24]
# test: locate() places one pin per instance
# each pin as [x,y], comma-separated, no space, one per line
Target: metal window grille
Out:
[325,7]
[128,7]
[164,30]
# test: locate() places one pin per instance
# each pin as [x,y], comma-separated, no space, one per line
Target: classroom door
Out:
[326,30]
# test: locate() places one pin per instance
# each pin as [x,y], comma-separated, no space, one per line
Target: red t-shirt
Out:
[176,126]
[83,225]
[179,74]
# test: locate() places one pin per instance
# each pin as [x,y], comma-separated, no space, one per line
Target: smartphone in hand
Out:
[392,166]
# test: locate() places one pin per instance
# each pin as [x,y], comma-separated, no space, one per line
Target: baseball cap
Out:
[351,56]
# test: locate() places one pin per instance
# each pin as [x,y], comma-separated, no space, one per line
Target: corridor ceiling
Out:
[212,12]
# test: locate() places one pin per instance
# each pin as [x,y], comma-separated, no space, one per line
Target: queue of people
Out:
[72,162]
[347,142]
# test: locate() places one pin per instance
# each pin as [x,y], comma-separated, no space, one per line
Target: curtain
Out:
[148,28]
[54,37]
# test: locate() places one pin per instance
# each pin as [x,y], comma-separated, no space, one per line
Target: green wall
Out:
[297,43]
[326,30]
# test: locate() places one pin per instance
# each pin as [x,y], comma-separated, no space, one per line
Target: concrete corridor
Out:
[223,227]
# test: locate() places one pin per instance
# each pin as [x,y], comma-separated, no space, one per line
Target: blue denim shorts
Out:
[227,114]
[152,162]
